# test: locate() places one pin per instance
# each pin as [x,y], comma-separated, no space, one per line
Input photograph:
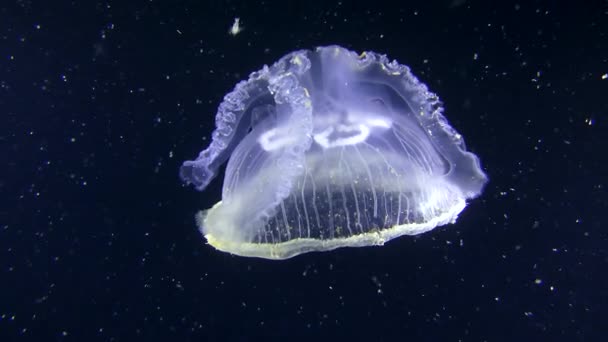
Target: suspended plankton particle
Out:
[236,27]
[330,149]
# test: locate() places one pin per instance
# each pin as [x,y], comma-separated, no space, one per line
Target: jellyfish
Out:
[327,148]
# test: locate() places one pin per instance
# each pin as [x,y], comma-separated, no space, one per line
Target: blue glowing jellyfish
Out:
[330,149]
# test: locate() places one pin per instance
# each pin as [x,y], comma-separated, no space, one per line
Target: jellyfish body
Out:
[330,149]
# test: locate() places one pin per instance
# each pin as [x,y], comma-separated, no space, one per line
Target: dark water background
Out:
[101,101]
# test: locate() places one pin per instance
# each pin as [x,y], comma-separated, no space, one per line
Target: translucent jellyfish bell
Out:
[330,149]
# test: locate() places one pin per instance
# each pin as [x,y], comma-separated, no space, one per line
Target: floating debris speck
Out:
[236,27]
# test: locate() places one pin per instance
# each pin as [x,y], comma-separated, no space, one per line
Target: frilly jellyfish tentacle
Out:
[231,120]
[201,171]
[234,110]
[298,126]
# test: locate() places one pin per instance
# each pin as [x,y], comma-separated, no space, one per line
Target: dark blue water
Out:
[100,102]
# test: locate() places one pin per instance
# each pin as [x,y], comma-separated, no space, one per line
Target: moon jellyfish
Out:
[328,149]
